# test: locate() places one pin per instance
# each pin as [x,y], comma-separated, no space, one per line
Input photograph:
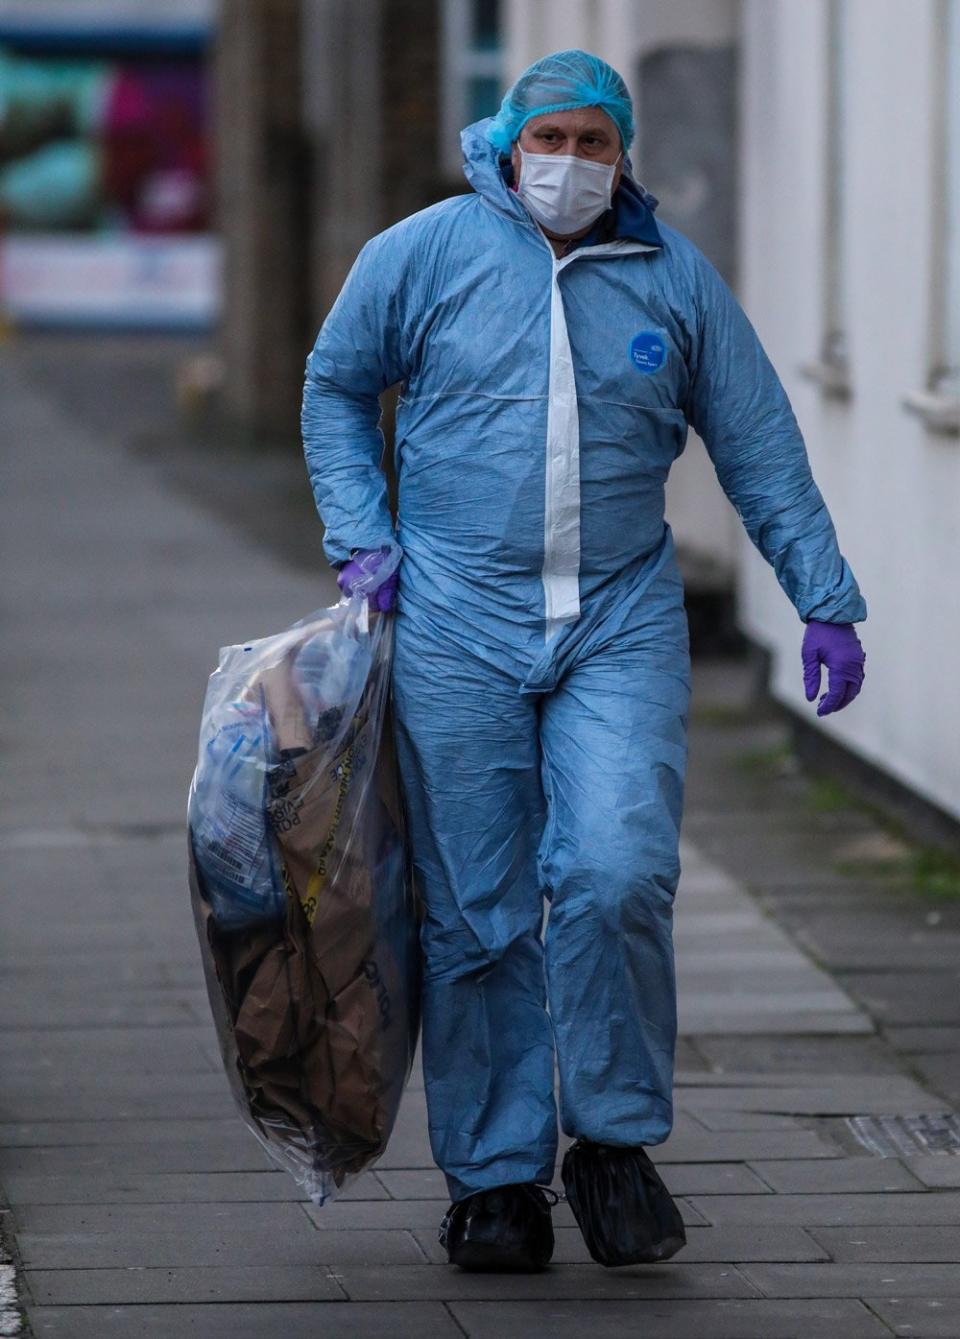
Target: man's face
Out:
[585,132]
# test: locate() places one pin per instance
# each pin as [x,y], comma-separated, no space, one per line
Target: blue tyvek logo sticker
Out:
[648,351]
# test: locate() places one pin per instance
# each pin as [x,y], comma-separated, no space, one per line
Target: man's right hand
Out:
[361,575]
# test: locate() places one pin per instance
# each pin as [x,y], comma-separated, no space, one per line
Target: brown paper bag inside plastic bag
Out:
[317,1014]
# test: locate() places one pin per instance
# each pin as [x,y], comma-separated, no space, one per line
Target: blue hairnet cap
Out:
[560,83]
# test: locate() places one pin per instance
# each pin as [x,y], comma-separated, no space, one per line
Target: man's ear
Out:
[516,161]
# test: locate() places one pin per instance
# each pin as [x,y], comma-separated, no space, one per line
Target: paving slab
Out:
[409,1146]
[744,1146]
[92,1236]
[732,958]
[112,1187]
[776,857]
[906,1210]
[939,1171]
[942,1073]
[923,1040]
[901,998]
[116,1052]
[746,1120]
[767,1022]
[36,1106]
[586,1282]
[236,1152]
[109,1219]
[896,943]
[360,1215]
[733,1076]
[863,1096]
[184,1284]
[798,1055]
[144,1250]
[112,1133]
[714,1178]
[918,1242]
[780,1319]
[750,992]
[292,1320]
[839,1177]
[223,1249]
[839,1279]
[715,1000]
[112,1013]
[19,1082]
[920,1317]
[427,1183]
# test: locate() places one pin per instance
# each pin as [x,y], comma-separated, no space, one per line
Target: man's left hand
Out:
[836,646]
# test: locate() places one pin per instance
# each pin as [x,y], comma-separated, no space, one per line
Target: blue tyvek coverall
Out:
[541,678]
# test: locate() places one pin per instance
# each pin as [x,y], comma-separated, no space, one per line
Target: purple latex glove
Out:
[836,646]
[360,574]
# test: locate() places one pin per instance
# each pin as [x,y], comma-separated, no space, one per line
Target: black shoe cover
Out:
[506,1230]
[625,1212]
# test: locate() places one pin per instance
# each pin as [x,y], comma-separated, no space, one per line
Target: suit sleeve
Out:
[740,409]
[358,354]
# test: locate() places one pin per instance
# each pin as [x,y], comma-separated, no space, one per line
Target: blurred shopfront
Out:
[106,193]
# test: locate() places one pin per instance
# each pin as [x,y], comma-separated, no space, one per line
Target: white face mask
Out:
[565,194]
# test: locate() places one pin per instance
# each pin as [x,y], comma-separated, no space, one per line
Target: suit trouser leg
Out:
[614,754]
[469,758]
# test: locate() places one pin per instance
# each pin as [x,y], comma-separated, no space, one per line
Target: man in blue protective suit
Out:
[554,343]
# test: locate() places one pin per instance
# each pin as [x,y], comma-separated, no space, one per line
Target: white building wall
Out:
[893,487]
[622,32]
[616,30]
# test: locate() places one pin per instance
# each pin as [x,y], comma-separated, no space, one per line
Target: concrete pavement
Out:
[137,1201]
